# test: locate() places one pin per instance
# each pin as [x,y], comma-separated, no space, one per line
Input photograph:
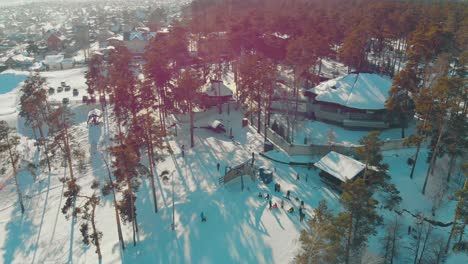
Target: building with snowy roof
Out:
[137,40]
[337,168]
[353,100]
[19,62]
[58,62]
[214,93]
[55,41]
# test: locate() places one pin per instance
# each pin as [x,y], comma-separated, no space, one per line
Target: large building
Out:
[354,100]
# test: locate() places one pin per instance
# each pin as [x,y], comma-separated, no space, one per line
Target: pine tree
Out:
[9,142]
[461,211]
[257,76]
[126,159]
[353,51]
[86,212]
[301,54]
[150,137]
[95,75]
[60,122]
[34,108]
[109,187]
[121,83]
[321,243]
[360,215]
[188,84]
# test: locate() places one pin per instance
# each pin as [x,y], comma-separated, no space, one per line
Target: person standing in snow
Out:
[217,166]
[270,203]
[282,204]
[203,217]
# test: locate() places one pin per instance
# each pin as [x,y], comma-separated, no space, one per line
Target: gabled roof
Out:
[216,88]
[142,35]
[355,90]
[53,59]
[342,167]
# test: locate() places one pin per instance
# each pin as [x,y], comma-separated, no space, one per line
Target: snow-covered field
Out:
[239,229]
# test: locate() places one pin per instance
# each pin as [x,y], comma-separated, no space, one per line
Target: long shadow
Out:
[42,218]
[161,191]
[180,173]
[17,230]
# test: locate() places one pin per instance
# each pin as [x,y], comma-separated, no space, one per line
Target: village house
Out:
[336,168]
[55,41]
[137,39]
[214,93]
[58,62]
[354,100]
[19,62]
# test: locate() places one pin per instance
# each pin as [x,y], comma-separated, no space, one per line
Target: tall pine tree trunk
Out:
[418,148]
[153,188]
[349,239]
[434,155]
[259,116]
[15,173]
[95,233]
[68,153]
[46,149]
[192,140]
[117,215]
[452,160]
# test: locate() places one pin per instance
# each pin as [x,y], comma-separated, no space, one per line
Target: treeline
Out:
[348,30]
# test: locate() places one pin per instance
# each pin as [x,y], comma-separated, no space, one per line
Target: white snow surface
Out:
[239,229]
[360,91]
[340,166]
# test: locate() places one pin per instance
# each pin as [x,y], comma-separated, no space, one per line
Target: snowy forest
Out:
[217,142]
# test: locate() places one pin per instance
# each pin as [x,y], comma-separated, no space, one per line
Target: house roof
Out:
[22,58]
[94,112]
[142,35]
[53,59]
[216,88]
[355,90]
[342,167]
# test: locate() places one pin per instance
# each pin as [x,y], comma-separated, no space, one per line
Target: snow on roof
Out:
[94,112]
[117,37]
[22,58]
[36,66]
[216,88]
[142,35]
[53,59]
[340,166]
[355,90]
[216,123]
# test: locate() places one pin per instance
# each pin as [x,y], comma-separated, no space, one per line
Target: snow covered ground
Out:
[240,227]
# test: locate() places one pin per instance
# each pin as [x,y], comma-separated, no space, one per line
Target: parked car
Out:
[75,92]
[216,126]
[65,101]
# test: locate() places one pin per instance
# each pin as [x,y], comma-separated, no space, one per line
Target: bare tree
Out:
[390,240]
